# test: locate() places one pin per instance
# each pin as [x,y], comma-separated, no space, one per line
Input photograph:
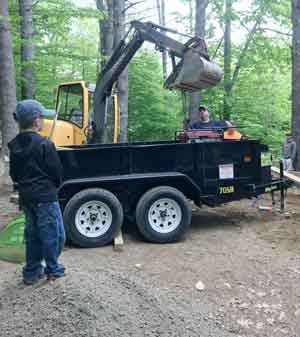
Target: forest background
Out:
[254,41]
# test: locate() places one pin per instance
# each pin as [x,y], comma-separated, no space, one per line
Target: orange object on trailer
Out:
[232,134]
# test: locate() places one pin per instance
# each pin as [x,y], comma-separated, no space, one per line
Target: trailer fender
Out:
[141,181]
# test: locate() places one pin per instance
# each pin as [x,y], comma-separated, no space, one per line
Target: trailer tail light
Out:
[247,159]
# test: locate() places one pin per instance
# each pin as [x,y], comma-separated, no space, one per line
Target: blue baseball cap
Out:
[30,109]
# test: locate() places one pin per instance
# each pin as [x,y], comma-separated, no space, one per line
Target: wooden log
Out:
[119,242]
[287,175]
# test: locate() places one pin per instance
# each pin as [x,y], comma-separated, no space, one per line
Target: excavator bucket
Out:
[194,73]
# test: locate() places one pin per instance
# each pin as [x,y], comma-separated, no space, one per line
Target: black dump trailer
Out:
[153,182]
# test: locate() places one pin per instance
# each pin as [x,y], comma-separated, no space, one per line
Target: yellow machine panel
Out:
[63,132]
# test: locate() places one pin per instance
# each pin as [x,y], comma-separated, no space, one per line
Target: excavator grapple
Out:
[194,73]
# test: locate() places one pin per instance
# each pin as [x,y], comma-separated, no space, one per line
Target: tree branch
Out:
[132,4]
[244,52]
[275,31]
[146,10]
[35,3]
[218,47]
[100,5]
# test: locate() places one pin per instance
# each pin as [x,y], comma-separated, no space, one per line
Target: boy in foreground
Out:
[36,168]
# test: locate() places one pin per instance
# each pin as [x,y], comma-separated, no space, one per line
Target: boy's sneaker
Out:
[30,282]
[54,277]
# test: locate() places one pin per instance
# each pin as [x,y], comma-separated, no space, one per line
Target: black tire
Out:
[143,209]
[83,197]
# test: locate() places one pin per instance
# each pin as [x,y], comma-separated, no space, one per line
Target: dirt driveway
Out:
[248,263]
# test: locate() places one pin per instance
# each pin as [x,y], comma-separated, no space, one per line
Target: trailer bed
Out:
[150,182]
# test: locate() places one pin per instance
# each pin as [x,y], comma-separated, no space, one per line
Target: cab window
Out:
[70,104]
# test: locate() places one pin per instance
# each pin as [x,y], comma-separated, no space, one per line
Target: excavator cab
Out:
[73,124]
[72,120]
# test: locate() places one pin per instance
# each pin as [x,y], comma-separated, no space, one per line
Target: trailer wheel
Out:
[163,215]
[92,218]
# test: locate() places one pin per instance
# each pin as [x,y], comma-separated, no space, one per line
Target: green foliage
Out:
[65,45]
[66,40]
[154,113]
[261,99]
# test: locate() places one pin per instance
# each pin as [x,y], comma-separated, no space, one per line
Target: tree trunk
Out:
[158,5]
[106,44]
[27,49]
[191,18]
[227,62]
[106,30]
[296,76]
[119,32]
[161,8]
[200,14]
[164,55]
[7,80]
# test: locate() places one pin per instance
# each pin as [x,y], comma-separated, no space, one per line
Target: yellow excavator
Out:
[82,108]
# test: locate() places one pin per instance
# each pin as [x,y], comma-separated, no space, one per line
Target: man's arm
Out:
[52,162]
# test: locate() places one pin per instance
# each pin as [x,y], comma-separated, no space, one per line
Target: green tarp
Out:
[12,247]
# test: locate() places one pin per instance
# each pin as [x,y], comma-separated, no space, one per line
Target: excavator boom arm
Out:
[194,51]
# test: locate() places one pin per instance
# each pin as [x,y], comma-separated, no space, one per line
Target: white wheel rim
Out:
[165,215]
[93,219]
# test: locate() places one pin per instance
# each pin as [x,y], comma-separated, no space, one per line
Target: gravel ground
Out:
[245,263]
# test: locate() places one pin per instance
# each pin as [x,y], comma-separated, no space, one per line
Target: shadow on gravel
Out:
[204,219]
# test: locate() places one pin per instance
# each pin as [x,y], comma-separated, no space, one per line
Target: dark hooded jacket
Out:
[35,167]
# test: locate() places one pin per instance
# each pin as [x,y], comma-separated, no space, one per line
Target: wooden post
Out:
[282,196]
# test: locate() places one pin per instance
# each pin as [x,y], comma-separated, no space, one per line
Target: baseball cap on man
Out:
[202,108]
[30,109]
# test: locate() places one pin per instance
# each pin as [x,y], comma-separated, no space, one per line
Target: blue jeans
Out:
[44,238]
